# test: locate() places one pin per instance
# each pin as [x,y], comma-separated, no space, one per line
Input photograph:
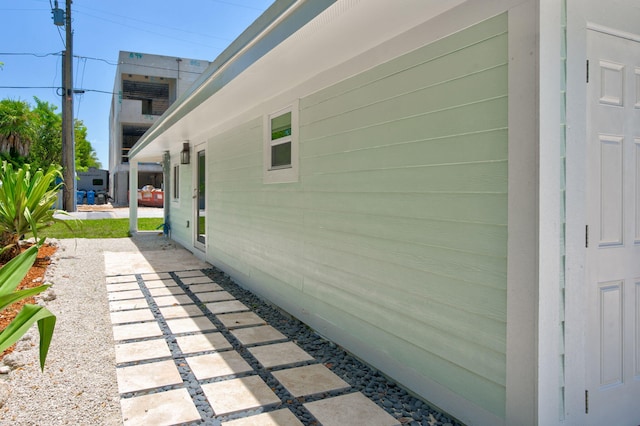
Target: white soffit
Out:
[345,30]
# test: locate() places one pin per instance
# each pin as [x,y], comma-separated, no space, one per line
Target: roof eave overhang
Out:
[276,24]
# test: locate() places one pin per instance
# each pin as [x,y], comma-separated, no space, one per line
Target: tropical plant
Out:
[26,204]
[16,128]
[34,136]
[10,277]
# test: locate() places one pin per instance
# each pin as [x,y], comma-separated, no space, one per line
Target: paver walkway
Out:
[188,352]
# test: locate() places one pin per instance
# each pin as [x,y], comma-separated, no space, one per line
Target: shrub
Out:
[26,204]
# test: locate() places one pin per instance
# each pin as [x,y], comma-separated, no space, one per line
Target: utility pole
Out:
[68,141]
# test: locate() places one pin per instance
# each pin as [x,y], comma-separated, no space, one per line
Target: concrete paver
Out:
[161,409]
[121,279]
[134,315]
[125,305]
[231,396]
[310,380]
[166,291]
[279,354]
[147,376]
[174,325]
[203,342]
[240,319]
[218,365]
[254,335]
[352,409]
[193,273]
[204,287]
[156,276]
[187,325]
[225,307]
[180,311]
[123,286]
[160,283]
[136,331]
[123,295]
[200,279]
[139,351]
[214,296]
[178,299]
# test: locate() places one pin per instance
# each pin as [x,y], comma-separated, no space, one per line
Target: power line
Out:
[43,55]
[106,61]
[147,31]
[154,24]
[78,91]
[29,87]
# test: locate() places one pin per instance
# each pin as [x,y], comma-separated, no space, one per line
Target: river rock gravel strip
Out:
[387,394]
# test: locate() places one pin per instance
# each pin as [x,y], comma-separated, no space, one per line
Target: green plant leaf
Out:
[27,316]
[15,270]
[46,325]
[19,295]
[26,201]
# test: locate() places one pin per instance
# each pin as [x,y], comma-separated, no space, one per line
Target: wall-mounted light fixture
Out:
[184,154]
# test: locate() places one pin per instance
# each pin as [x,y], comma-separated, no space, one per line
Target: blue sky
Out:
[198,29]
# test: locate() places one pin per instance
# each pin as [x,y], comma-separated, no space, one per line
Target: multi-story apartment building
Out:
[144,88]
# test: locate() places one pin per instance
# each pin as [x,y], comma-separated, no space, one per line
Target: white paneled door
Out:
[613,215]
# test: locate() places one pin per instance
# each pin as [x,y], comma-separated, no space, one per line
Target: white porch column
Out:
[133,196]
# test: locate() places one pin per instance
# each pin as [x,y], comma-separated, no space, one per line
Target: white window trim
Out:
[288,174]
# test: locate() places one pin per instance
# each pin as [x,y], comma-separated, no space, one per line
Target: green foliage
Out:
[86,157]
[37,133]
[47,146]
[26,204]
[16,127]
[10,277]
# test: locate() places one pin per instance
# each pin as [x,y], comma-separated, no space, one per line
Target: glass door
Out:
[200,206]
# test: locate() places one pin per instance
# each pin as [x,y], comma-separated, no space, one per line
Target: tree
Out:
[16,128]
[47,146]
[35,136]
[85,155]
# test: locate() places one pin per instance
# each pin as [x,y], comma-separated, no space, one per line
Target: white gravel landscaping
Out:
[78,385]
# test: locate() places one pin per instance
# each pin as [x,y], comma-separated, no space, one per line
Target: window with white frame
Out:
[281,146]
[176,181]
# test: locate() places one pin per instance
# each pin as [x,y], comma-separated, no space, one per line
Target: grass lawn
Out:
[99,228]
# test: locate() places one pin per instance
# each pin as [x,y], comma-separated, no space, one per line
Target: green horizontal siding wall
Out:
[397,228]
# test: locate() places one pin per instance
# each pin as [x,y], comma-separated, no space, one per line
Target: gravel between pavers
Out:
[78,385]
[408,409]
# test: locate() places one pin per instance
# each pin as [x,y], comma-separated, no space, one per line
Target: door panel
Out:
[613,252]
